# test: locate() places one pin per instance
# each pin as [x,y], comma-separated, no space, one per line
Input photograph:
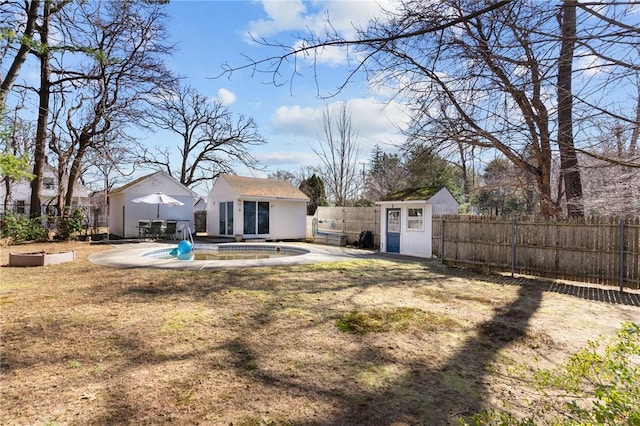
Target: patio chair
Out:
[144,227]
[156,229]
[170,229]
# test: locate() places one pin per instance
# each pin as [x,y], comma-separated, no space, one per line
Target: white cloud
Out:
[227,97]
[297,120]
[298,17]
[590,65]
[374,121]
[287,158]
[329,55]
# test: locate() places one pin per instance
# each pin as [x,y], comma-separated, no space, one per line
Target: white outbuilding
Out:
[406,219]
[253,208]
[125,214]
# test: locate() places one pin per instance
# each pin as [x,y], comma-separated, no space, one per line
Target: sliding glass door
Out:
[256,217]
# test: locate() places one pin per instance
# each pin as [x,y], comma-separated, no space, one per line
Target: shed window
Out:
[415,220]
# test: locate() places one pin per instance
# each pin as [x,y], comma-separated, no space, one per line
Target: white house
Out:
[405,223]
[256,208]
[124,214]
[19,196]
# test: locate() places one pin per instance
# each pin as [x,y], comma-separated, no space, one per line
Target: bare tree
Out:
[117,62]
[338,153]
[499,71]
[211,139]
[612,189]
[43,53]
[285,175]
[386,173]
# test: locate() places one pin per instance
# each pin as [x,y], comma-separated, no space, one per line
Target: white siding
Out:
[221,192]
[124,222]
[287,218]
[21,191]
[444,203]
[412,242]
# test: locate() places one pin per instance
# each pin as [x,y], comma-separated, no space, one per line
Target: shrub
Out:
[70,224]
[21,228]
[595,386]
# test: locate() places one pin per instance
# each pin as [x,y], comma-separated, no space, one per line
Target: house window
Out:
[414,220]
[226,218]
[256,217]
[47,183]
[20,207]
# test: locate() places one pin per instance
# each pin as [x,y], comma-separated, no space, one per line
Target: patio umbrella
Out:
[158,198]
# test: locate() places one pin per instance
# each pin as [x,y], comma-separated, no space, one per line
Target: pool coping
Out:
[131,256]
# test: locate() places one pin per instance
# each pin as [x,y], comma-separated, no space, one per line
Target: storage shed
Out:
[124,214]
[405,223]
[254,208]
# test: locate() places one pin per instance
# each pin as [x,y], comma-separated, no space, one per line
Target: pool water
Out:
[229,253]
[236,255]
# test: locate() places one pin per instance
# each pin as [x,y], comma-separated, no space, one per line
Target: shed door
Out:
[393,230]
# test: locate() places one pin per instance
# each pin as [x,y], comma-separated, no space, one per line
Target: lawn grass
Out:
[359,342]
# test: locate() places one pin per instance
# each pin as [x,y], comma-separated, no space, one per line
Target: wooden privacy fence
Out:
[350,220]
[603,251]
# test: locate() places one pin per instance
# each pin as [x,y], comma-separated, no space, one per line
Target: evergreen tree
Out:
[313,187]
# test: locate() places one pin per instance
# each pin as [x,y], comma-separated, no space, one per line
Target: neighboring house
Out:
[250,208]
[405,223]
[200,205]
[20,195]
[200,215]
[124,214]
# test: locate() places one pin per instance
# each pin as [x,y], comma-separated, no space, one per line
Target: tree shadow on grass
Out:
[457,389]
[422,395]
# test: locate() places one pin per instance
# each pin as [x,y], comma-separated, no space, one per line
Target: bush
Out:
[22,228]
[70,224]
[596,386]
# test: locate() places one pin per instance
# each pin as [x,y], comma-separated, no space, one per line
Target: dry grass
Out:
[84,344]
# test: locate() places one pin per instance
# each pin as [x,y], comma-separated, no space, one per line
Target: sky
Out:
[211,33]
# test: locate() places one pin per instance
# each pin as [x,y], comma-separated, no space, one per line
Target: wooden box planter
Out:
[330,238]
[40,258]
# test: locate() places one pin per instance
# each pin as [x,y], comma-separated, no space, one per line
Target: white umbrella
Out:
[158,198]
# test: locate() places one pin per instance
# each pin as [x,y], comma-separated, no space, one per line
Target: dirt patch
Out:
[85,344]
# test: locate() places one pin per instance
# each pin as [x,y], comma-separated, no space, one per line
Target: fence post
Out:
[442,239]
[621,262]
[513,246]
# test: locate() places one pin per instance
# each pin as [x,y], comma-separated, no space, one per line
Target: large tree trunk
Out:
[74,171]
[43,116]
[13,71]
[569,170]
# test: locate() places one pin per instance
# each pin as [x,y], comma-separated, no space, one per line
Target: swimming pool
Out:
[141,255]
[229,252]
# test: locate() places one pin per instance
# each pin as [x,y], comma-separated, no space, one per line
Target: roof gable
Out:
[264,188]
[138,186]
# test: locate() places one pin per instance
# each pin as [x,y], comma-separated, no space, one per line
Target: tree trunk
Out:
[43,116]
[569,170]
[74,172]
[633,143]
[23,51]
